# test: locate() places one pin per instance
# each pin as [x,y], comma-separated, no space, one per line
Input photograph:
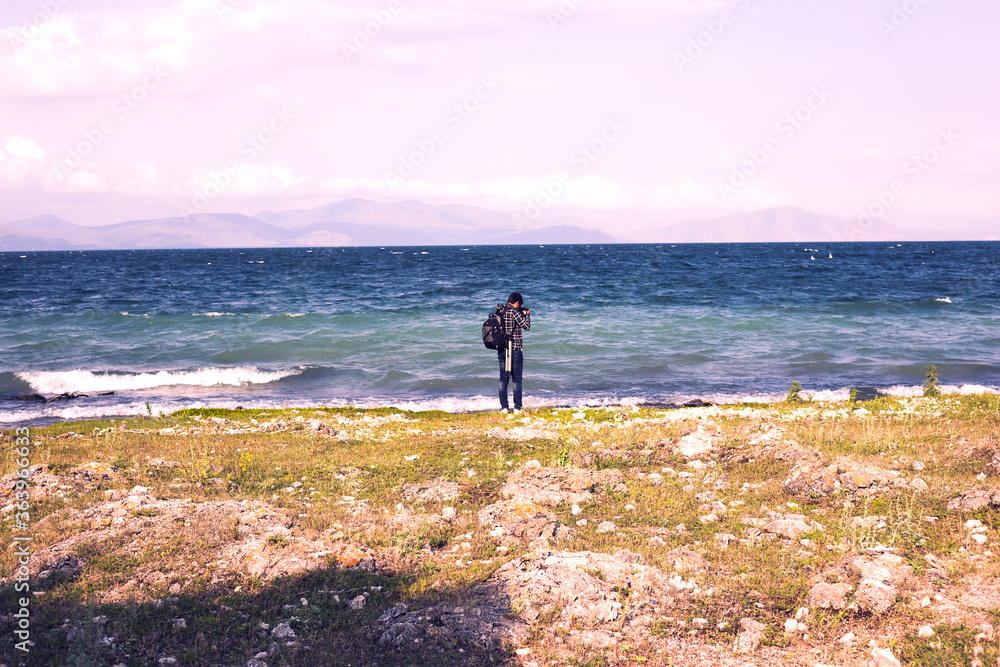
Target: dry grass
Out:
[372,456]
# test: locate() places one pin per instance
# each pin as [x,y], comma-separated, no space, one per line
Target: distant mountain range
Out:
[360,222]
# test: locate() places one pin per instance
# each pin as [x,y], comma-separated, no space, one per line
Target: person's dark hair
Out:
[515,297]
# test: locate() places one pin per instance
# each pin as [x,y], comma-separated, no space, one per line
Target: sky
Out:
[115,110]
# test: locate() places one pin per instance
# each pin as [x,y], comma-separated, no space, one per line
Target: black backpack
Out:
[493,334]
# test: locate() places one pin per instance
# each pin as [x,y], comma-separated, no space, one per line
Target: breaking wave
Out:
[58,382]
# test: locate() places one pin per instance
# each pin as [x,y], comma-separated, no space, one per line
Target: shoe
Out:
[517,411]
[504,411]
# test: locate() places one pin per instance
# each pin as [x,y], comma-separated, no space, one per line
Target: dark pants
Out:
[516,366]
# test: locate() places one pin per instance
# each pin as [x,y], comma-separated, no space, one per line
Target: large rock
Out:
[974,499]
[791,528]
[829,596]
[553,486]
[880,578]
[844,476]
[582,593]
[750,636]
[437,490]
[482,624]
[699,443]
[587,599]
[41,482]
[95,473]
[520,520]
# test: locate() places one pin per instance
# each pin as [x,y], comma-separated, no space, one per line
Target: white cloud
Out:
[25,148]
[20,160]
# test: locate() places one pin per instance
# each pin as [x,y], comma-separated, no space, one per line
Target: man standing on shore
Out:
[511,354]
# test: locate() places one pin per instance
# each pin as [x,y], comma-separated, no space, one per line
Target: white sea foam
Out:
[58,382]
[214,314]
[946,299]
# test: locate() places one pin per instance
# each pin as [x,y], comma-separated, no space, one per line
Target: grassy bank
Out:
[248,520]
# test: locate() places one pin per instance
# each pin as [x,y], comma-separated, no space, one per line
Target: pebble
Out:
[925,632]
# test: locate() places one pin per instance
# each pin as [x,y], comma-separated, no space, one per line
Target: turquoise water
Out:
[400,326]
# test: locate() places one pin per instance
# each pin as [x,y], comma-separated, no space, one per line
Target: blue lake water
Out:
[400,326]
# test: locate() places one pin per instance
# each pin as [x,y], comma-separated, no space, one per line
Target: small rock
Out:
[448,513]
[283,631]
[606,527]
[575,510]
[848,639]
[883,657]
[791,625]
[925,632]
[699,623]
[180,623]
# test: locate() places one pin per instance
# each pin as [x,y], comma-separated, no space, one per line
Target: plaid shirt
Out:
[514,320]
